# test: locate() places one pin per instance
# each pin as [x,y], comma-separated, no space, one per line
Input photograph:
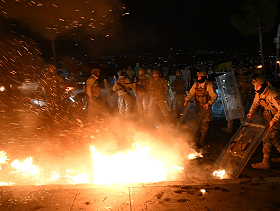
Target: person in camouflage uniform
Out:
[122,86]
[157,92]
[93,89]
[178,86]
[267,98]
[244,89]
[142,100]
[204,95]
[53,86]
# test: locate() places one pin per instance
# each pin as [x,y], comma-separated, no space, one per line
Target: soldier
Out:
[157,93]
[204,96]
[142,100]
[53,86]
[268,99]
[93,89]
[178,86]
[122,86]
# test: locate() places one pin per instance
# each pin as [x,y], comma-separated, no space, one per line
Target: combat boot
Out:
[229,127]
[275,160]
[264,165]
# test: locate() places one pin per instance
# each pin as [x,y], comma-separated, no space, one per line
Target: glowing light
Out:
[2,88]
[203,191]
[54,176]
[81,179]
[220,173]
[3,157]
[25,168]
[259,66]
[194,155]
[177,168]
[134,166]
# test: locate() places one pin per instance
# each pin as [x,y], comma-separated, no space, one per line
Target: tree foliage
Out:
[257,15]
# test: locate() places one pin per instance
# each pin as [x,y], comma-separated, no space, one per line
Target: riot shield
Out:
[111,96]
[242,145]
[170,97]
[191,119]
[230,96]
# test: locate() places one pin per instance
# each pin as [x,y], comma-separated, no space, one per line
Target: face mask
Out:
[263,88]
[202,80]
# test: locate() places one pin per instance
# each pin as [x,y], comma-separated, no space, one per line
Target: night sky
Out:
[192,24]
[150,26]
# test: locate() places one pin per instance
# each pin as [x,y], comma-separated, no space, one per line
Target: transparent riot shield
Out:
[242,145]
[111,96]
[230,96]
[191,119]
[170,97]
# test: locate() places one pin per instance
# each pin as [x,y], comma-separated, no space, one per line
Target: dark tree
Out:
[257,18]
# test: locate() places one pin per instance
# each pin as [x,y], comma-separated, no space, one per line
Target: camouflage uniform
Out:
[178,86]
[93,89]
[157,88]
[122,86]
[269,102]
[203,93]
[53,86]
[142,100]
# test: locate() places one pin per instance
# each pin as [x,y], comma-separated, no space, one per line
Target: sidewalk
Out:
[235,194]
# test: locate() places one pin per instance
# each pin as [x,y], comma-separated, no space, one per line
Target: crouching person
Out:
[268,99]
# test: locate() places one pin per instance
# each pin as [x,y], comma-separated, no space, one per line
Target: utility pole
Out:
[277,42]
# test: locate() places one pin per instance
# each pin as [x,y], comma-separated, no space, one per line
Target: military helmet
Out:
[142,70]
[156,71]
[121,73]
[259,80]
[202,73]
[179,72]
[95,70]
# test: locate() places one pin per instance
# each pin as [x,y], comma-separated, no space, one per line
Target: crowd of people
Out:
[170,91]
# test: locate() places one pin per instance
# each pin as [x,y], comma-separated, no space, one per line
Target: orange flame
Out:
[135,166]
[25,168]
[220,173]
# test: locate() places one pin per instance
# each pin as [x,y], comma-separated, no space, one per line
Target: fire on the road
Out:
[135,165]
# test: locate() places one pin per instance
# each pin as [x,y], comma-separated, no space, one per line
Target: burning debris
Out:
[220,173]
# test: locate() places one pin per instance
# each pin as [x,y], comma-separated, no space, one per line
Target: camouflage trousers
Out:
[124,105]
[142,102]
[271,138]
[178,104]
[92,108]
[153,105]
[203,127]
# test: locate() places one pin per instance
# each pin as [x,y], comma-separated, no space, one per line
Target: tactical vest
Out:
[95,88]
[268,110]
[157,90]
[201,95]
[123,88]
